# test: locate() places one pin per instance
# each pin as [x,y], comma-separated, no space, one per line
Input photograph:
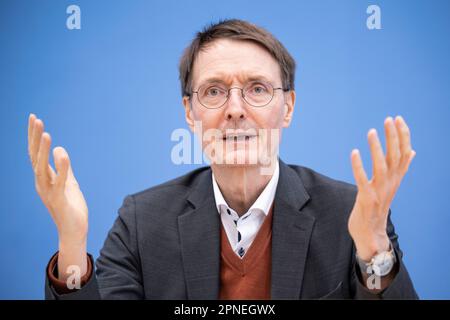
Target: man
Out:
[239,229]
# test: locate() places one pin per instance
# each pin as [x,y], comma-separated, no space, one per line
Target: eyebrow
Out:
[220,79]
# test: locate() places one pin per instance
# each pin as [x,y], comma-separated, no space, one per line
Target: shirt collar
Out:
[264,200]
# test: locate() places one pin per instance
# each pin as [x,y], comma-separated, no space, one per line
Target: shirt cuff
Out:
[61,286]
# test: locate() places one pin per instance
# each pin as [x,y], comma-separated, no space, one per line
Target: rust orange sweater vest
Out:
[249,277]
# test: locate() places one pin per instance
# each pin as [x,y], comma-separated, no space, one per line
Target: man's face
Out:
[233,63]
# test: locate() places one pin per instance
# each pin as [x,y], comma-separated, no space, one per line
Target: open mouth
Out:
[238,138]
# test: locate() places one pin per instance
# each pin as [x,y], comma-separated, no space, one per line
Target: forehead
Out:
[234,60]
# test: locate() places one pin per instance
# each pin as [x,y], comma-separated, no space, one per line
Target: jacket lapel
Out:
[199,230]
[291,232]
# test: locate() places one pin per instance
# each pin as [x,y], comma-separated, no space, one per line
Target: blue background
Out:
[110,94]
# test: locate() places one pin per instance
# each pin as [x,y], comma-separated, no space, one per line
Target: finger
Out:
[38,129]
[31,120]
[411,157]
[376,152]
[70,174]
[62,164]
[405,141]
[392,144]
[42,173]
[358,170]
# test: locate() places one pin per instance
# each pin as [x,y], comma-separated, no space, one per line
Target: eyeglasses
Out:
[257,93]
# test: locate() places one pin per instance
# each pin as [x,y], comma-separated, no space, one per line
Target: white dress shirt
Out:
[241,231]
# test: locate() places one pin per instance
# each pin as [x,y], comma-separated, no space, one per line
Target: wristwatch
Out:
[381,264]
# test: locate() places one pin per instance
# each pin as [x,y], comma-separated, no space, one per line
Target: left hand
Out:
[368,219]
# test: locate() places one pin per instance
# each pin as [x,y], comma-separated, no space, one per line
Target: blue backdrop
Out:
[109,93]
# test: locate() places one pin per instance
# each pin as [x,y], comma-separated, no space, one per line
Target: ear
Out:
[189,114]
[289,98]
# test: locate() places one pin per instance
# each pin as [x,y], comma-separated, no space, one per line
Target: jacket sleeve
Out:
[401,286]
[117,273]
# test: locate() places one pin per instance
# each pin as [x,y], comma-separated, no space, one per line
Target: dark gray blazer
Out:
[165,243]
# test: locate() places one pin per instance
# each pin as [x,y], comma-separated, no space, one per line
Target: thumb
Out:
[62,164]
[413,155]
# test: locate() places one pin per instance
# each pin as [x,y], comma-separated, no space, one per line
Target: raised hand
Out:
[368,219]
[60,193]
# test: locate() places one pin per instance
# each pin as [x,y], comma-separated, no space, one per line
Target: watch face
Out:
[376,270]
[382,264]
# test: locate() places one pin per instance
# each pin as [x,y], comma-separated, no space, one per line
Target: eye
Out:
[213,92]
[258,89]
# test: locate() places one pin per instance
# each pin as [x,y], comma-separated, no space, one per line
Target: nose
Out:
[235,108]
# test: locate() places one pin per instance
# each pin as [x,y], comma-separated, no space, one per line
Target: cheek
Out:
[210,119]
[270,117]
[204,121]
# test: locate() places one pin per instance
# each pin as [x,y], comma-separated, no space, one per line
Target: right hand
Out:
[59,192]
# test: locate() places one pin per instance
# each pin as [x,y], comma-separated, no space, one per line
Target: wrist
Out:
[67,240]
[71,246]
[368,249]
[69,255]
[381,264]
